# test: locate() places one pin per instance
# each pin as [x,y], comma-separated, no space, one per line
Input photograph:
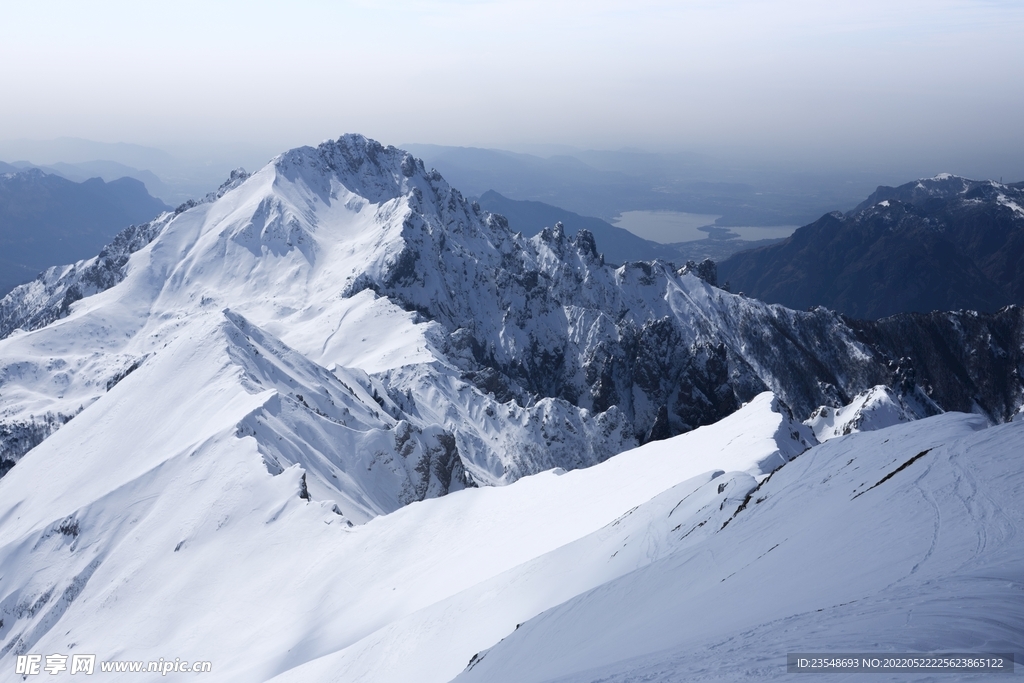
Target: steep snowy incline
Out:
[49,297]
[906,539]
[242,568]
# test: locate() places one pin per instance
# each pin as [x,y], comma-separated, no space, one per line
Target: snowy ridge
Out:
[278,233]
[98,554]
[941,186]
[324,423]
[733,457]
[49,297]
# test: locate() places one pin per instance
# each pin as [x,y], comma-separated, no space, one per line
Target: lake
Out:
[667,227]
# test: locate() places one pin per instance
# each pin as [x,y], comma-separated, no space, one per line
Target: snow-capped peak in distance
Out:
[942,186]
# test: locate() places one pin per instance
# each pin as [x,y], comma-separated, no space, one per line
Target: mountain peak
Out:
[376,172]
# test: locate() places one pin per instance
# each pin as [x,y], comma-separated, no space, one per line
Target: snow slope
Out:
[906,539]
[286,248]
[191,549]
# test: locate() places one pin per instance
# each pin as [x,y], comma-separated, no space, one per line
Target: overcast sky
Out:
[816,81]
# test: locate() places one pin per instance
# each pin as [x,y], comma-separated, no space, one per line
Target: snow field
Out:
[928,560]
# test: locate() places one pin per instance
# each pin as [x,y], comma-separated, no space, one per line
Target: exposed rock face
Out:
[706,270]
[19,437]
[964,361]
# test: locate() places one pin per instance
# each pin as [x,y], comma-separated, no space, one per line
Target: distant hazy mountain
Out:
[941,243]
[78,150]
[105,170]
[605,184]
[110,171]
[189,173]
[46,219]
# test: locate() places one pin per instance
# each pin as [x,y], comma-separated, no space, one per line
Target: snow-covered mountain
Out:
[246,572]
[877,408]
[262,431]
[525,354]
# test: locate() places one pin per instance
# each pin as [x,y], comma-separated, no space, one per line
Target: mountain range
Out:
[935,244]
[532,330]
[109,171]
[337,422]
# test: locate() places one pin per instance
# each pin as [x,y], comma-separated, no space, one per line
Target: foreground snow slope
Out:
[188,547]
[435,642]
[907,539]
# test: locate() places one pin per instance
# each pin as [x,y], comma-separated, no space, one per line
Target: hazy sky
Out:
[871,80]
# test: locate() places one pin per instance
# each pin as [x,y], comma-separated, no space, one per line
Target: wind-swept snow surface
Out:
[906,539]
